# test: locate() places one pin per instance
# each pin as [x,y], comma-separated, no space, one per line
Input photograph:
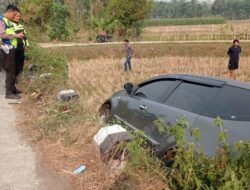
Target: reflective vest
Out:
[9,29]
[20,29]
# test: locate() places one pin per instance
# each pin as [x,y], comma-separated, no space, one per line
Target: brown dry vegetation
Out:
[212,49]
[96,73]
[97,79]
[228,31]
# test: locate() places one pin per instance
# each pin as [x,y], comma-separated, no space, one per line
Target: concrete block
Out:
[67,95]
[107,137]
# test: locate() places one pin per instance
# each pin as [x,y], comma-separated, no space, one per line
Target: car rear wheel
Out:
[169,156]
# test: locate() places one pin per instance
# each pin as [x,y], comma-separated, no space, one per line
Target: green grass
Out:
[185,21]
[56,119]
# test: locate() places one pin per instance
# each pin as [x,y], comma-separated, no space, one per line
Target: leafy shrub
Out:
[192,168]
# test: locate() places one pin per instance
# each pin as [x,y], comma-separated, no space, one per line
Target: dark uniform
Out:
[234,54]
[8,50]
[21,44]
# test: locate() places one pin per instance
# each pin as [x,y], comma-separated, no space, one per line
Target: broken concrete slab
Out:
[66,95]
[107,137]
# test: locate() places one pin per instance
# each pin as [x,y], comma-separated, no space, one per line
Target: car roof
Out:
[207,80]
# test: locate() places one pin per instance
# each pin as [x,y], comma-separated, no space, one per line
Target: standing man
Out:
[9,40]
[234,54]
[22,44]
[1,57]
[129,55]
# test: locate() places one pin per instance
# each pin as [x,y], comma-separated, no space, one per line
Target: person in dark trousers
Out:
[129,56]
[234,54]
[1,58]
[22,44]
[8,48]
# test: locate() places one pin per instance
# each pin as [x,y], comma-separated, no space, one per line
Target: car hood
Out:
[119,93]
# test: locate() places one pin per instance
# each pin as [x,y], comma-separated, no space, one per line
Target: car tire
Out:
[169,156]
[105,113]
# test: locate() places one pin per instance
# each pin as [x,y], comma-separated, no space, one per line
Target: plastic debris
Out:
[46,75]
[79,170]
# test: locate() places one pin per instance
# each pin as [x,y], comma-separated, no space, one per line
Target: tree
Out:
[129,13]
[246,5]
[59,22]
[37,13]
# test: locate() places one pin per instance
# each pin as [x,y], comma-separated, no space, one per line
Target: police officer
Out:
[22,44]
[9,40]
[1,57]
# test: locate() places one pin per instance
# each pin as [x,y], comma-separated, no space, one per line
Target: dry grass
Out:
[98,79]
[209,49]
[228,31]
[63,159]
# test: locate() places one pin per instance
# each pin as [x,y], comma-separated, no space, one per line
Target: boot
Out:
[12,96]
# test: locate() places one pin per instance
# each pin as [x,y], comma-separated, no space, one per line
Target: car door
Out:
[187,100]
[232,105]
[133,109]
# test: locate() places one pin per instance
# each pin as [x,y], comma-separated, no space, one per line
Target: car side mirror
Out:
[128,87]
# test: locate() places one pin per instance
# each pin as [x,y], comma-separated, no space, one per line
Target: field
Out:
[64,131]
[98,78]
[104,76]
[185,21]
[228,31]
[195,49]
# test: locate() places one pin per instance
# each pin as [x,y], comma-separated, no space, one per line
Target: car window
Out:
[231,104]
[191,97]
[157,90]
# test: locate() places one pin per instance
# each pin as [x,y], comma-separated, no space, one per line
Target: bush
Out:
[49,62]
[192,168]
[56,119]
[185,21]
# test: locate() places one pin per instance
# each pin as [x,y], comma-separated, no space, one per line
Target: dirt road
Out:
[19,165]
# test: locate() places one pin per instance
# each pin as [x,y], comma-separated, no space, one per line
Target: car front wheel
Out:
[105,113]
